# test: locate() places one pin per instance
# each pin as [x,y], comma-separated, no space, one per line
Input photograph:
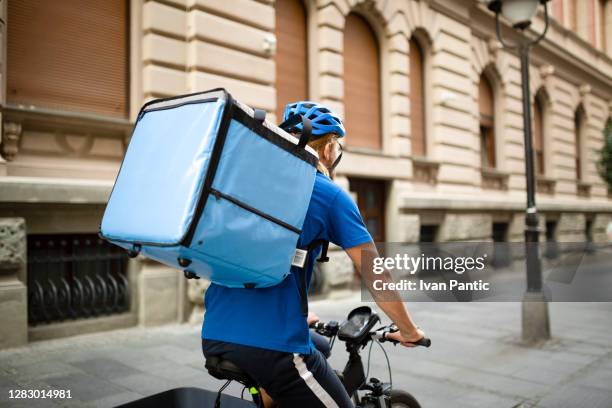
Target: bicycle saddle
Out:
[223,369]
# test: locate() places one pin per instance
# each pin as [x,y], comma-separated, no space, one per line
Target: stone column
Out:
[13,291]
[571,227]
[337,274]
[195,291]
[158,294]
[600,228]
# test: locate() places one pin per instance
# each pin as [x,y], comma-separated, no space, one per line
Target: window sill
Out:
[545,185]
[425,170]
[583,189]
[494,179]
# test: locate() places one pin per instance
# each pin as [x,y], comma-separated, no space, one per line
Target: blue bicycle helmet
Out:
[323,120]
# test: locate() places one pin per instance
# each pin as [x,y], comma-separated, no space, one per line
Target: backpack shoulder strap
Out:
[310,249]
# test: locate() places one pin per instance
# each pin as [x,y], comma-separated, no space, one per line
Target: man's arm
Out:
[392,304]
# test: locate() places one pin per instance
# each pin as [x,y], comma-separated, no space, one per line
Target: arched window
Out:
[417,99]
[538,135]
[486,104]
[67,55]
[291,54]
[579,122]
[361,84]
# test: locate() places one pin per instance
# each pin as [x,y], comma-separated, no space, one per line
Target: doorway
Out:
[501,249]
[371,197]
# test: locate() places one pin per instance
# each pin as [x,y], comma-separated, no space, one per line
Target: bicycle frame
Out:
[354,380]
[357,331]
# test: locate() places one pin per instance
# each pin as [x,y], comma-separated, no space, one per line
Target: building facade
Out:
[432,104]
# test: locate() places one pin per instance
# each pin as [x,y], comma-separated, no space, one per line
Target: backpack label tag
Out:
[299,258]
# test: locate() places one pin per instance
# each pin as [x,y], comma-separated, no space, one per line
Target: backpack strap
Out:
[295,119]
[259,115]
[303,289]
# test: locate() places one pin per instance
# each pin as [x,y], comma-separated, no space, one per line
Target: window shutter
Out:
[68,55]
[487,120]
[578,125]
[361,84]
[485,100]
[538,134]
[602,25]
[557,10]
[291,54]
[417,99]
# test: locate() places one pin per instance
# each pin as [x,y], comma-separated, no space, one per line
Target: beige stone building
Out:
[432,102]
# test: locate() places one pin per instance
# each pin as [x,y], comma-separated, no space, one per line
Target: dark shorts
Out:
[291,379]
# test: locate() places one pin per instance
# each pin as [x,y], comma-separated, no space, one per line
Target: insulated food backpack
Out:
[209,186]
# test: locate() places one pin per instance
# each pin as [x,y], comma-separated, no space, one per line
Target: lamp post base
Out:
[536,323]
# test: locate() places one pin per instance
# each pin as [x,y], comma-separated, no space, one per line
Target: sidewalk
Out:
[475,360]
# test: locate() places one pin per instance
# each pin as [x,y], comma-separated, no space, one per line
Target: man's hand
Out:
[312,318]
[391,302]
[407,339]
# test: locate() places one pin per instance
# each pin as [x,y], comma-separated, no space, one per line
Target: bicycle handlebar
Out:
[331,329]
[381,335]
[325,329]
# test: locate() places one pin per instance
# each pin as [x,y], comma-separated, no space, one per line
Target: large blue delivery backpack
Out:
[209,186]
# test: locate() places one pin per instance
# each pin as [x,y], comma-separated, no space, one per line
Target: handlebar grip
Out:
[425,342]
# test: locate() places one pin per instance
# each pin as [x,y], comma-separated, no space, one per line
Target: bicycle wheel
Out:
[403,399]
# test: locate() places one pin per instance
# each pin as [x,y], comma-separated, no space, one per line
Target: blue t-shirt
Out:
[271,317]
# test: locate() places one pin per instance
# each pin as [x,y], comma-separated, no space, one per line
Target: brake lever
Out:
[392,329]
[423,341]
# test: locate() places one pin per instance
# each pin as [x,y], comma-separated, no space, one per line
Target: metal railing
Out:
[72,276]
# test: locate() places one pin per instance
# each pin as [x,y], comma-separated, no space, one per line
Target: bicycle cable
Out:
[368,370]
[223,387]
[388,365]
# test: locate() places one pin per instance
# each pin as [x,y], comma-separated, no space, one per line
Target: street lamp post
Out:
[535,321]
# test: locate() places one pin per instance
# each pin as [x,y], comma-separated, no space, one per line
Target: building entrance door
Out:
[371,202]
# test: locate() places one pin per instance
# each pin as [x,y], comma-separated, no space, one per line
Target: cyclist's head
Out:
[323,120]
[329,150]
[327,128]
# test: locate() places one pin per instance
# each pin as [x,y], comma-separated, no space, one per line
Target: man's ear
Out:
[327,153]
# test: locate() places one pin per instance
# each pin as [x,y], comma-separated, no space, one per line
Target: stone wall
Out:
[13,291]
[198,45]
[180,46]
[159,294]
[571,228]
[466,227]
[600,225]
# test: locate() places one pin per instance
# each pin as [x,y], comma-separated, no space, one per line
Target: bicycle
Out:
[356,331]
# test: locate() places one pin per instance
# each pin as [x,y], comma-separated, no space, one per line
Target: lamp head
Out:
[518,12]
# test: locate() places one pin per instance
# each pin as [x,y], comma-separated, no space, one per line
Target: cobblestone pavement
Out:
[476,360]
